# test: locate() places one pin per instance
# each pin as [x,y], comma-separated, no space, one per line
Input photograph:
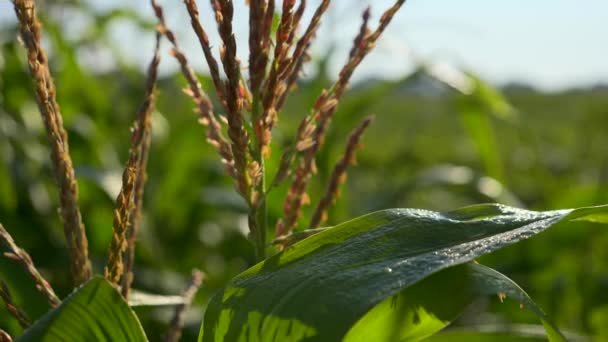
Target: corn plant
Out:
[391,275]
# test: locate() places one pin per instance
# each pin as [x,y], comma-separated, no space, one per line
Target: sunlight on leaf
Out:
[326,283]
[94,312]
[429,305]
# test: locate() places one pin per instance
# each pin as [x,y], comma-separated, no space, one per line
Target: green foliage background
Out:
[429,147]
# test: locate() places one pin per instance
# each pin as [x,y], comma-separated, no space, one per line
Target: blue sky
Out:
[550,44]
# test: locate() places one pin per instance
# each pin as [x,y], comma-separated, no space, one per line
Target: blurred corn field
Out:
[440,140]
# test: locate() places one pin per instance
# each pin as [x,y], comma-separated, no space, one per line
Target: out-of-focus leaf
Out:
[492,99]
[479,127]
[320,287]
[223,198]
[467,84]
[124,13]
[477,100]
[8,197]
[486,189]
[476,109]
[140,298]
[95,312]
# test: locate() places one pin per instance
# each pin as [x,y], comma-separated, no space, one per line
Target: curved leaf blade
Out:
[426,307]
[319,288]
[94,312]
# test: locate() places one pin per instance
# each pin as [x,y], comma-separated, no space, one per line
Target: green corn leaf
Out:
[498,332]
[319,288]
[481,131]
[94,312]
[466,336]
[426,307]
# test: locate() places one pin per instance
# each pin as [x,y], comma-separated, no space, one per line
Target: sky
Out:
[549,44]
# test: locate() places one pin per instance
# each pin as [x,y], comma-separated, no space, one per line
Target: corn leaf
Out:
[94,312]
[424,308]
[319,288]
